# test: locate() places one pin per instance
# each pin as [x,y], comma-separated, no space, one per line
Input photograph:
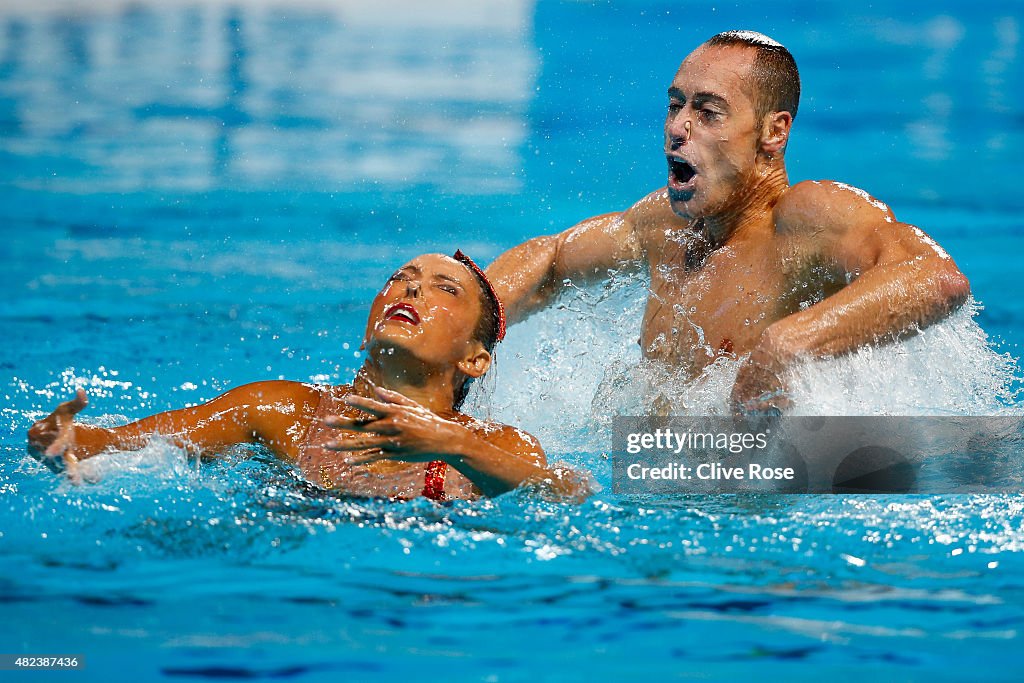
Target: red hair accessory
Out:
[488,289]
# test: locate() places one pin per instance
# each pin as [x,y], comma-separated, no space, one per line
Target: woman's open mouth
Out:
[402,311]
[680,173]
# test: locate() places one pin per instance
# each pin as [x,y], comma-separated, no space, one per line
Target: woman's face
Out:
[429,308]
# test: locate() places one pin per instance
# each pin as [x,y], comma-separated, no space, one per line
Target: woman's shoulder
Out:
[306,396]
[278,389]
[507,437]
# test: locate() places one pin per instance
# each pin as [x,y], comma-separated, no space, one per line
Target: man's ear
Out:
[775,133]
[475,364]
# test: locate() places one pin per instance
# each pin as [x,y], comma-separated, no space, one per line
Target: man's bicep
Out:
[528,276]
[859,234]
[840,224]
[879,243]
[589,249]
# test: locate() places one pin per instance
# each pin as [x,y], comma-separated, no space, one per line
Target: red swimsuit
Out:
[433,480]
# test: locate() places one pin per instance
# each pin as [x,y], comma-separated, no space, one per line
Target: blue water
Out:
[195,196]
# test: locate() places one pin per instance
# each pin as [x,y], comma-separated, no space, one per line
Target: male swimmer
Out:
[741,262]
[395,431]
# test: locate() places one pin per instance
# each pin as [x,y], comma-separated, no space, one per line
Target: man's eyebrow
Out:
[710,97]
[678,94]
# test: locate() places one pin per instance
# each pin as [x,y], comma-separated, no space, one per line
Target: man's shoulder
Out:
[823,204]
[828,192]
[654,211]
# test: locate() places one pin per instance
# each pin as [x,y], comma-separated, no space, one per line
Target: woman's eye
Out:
[398,276]
[708,114]
[448,288]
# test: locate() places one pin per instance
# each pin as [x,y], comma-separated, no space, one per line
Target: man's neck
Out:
[747,210]
[430,389]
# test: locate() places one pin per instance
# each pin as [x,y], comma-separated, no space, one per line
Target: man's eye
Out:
[674,107]
[708,114]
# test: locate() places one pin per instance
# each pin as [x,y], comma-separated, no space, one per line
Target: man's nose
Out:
[680,129]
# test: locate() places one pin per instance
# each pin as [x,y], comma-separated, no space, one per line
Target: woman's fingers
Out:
[355,424]
[365,457]
[360,443]
[68,409]
[368,405]
[53,438]
[396,398]
[382,426]
[75,405]
[59,446]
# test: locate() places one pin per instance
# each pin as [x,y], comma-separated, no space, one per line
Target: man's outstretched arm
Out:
[903,281]
[528,277]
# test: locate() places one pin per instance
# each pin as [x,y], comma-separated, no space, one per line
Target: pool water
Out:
[198,195]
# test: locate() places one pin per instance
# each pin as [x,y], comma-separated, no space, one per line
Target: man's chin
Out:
[683,204]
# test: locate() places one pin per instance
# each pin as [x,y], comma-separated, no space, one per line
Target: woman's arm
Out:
[273,413]
[496,458]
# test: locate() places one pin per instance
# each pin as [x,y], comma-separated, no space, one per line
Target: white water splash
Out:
[565,372]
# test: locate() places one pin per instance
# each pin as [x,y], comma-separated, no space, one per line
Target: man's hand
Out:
[51,440]
[397,428]
[760,384]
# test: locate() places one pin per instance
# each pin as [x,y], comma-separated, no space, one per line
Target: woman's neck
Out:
[427,386]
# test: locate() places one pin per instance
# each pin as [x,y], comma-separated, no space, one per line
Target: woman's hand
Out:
[397,428]
[51,440]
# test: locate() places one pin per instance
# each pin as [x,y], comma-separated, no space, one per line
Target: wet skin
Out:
[369,438]
[741,262]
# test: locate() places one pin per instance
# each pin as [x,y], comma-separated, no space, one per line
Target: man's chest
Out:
[721,306]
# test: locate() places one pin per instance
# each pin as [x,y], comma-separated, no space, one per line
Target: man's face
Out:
[711,131]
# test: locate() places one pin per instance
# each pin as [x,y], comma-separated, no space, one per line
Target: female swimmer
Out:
[395,431]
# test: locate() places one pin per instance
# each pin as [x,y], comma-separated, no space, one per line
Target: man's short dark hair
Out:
[776,78]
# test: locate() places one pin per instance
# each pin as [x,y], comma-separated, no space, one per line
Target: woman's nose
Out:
[412,288]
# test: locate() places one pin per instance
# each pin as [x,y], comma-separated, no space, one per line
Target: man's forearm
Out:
[529,277]
[883,304]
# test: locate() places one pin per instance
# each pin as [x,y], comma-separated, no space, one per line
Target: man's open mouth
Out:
[403,312]
[680,172]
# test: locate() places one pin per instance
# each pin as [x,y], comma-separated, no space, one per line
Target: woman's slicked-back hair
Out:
[490,329]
